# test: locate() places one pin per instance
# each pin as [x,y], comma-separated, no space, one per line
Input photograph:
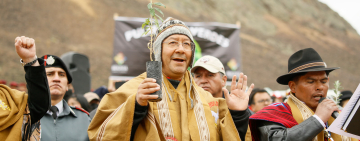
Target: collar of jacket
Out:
[67,110]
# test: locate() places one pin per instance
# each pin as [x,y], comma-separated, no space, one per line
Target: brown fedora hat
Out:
[305,60]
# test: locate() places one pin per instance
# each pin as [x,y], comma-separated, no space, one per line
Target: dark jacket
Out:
[305,131]
[38,90]
[38,96]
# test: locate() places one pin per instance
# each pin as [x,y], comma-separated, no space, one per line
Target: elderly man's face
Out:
[211,82]
[58,83]
[176,55]
[310,87]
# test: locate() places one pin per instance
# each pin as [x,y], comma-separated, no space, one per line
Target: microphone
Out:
[335,114]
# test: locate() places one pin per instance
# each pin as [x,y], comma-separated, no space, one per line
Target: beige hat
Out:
[210,63]
[91,96]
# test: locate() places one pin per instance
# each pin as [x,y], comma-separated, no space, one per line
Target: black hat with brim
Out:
[54,61]
[302,61]
[345,95]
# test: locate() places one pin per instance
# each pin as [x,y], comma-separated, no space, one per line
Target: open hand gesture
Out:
[25,48]
[238,99]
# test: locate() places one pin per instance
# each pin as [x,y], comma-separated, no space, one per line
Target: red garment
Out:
[276,112]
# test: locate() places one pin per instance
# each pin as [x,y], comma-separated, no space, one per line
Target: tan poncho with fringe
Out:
[170,120]
[12,109]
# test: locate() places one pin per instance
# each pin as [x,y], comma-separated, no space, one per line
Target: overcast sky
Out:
[348,9]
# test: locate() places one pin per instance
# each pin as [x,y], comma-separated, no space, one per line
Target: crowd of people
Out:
[195,104]
[14,85]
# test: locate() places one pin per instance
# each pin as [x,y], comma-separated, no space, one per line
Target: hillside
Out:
[271,30]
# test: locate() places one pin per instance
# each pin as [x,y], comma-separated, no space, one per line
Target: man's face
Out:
[58,82]
[261,100]
[175,59]
[211,82]
[310,88]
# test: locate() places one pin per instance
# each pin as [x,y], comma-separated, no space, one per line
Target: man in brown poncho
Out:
[20,112]
[186,111]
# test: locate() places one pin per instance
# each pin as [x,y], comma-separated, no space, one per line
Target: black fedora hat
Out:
[345,95]
[305,60]
[54,61]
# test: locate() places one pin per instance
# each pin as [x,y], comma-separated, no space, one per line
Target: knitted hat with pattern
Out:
[169,27]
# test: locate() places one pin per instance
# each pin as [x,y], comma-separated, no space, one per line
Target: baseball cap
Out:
[210,63]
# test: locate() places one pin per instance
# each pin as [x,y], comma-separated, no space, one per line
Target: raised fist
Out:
[25,48]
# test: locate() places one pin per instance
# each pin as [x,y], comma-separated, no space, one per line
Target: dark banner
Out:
[131,52]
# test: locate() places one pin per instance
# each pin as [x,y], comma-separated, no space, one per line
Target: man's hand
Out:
[239,97]
[325,109]
[25,48]
[148,86]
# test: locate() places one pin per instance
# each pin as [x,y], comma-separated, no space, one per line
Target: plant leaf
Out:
[159,4]
[152,12]
[158,9]
[146,32]
[156,22]
[149,6]
[159,17]
[143,25]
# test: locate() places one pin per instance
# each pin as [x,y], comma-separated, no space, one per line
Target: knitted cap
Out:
[169,27]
